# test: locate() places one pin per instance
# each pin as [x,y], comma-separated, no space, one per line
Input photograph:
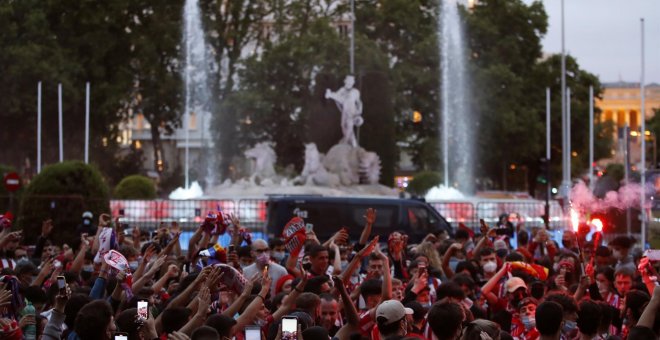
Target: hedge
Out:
[62,192]
[135,187]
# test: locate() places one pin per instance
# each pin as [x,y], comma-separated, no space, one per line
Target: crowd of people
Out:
[469,285]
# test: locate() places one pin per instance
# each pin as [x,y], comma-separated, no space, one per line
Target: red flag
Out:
[462,226]
[294,235]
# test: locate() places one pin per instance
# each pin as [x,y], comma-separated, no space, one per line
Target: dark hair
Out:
[625,271]
[126,323]
[315,332]
[314,284]
[589,317]
[463,279]
[470,267]
[607,271]
[636,300]
[513,257]
[244,251]
[75,303]
[461,234]
[603,251]
[205,333]
[445,319]
[371,287]
[449,289]
[327,297]
[174,318]
[566,301]
[308,302]
[275,242]
[387,329]
[221,323]
[93,320]
[485,252]
[35,294]
[549,315]
[316,249]
[475,328]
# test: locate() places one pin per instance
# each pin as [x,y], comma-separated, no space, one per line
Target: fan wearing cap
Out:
[87,226]
[523,324]
[391,320]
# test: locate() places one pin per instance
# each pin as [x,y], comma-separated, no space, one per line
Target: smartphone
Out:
[421,268]
[121,336]
[289,328]
[309,227]
[231,248]
[252,333]
[265,270]
[143,310]
[61,283]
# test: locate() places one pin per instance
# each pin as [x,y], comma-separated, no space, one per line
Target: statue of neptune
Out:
[348,101]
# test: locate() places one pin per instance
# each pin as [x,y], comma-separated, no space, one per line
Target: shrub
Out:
[135,187]
[422,182]
[62,192]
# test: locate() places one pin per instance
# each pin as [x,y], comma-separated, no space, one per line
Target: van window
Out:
[419,219]
[386,216]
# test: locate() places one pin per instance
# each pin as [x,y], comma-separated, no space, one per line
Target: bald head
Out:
[259,244]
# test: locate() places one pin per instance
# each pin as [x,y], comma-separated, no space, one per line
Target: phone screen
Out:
[121,336]
[252,333]
[143,310]
[289,328]
[61,282]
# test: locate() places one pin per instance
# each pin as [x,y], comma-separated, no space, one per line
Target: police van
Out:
[326,215]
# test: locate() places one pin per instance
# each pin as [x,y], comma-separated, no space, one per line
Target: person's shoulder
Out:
[250,269]
[277,267]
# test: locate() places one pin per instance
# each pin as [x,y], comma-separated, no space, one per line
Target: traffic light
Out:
[544,174]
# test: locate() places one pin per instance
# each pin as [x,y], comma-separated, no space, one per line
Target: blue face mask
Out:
[528,322]
[569,326]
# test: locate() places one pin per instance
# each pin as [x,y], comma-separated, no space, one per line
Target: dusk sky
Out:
[605,36]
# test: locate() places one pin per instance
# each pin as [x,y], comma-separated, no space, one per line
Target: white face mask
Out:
[602,288]
[490,267]
[278,255]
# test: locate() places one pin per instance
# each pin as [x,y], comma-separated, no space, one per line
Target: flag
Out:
[462,226]
[535,270]
[107,242]
[217,252]
[294,235]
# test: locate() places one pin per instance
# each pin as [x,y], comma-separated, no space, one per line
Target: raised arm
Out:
[290,301]
[370,219]
[387,275]
[648,316]
[447,257]
[486,290]
[357,260]
[203,300]
[353,319]
[249,313]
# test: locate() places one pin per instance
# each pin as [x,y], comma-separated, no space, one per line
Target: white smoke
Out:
[628,196]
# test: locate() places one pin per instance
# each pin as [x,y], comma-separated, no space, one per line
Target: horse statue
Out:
[314,173]
[264,158]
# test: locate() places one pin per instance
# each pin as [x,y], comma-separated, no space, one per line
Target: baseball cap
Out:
[514,283]
[391,311]
[88,214]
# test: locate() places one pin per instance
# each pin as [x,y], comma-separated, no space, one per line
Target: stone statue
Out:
[348,101]
[264,159]
[314,173]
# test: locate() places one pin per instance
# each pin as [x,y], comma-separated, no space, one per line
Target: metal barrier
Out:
[457,212]
[530,212]
[188,213]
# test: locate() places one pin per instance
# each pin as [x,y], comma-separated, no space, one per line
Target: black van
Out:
[328,214]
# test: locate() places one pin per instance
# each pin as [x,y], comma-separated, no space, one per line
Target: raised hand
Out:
[370,216]
[369,248]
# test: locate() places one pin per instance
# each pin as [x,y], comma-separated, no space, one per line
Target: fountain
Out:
[197,102]
[197,95]
[457,123]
